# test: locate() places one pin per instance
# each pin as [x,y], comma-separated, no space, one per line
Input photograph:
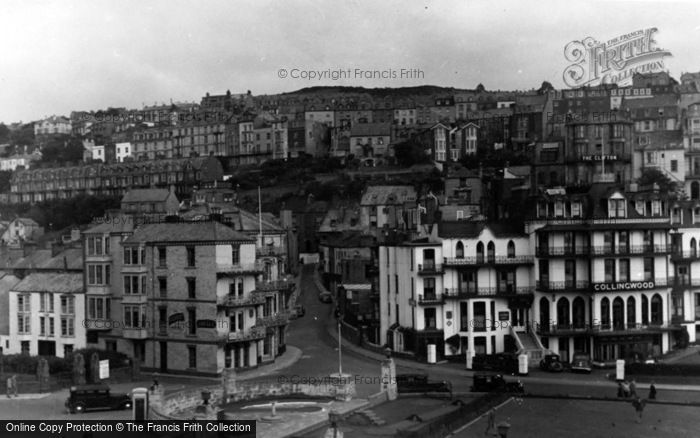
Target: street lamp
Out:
[339,317]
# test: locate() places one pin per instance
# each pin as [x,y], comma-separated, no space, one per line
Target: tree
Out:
[655,176]
[480,88]
[410,152]
[545,87]
[4,133]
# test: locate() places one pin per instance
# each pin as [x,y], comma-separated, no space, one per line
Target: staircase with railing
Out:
[529,343]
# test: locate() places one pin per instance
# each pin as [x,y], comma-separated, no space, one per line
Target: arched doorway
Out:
[645,310]
[480,252]
[656,309]
[491,252]
[511,249]
[563,319]
[459,250]
[618,313]
[605,313]
[544,315]
[579,313]
[631,313]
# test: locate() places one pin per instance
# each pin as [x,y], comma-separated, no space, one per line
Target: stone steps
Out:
[371,416]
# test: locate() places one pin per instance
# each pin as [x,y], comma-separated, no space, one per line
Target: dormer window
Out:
[559,209]
[656,207]
[576,209]
[639,206]
[616,208]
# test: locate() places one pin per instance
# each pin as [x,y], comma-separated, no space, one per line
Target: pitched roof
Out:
[383,195]
[146,195]
[186,232]
[370,129]
[122,223]
[71,283]
[470,229]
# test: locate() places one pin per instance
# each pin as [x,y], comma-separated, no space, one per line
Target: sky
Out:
[60,56]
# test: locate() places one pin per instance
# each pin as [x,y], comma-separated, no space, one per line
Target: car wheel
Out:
[556,367]
[79,408]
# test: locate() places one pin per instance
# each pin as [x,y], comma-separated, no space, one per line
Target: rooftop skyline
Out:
[60,57]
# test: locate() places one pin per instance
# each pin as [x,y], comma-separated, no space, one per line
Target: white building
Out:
[46,314]
[123,150]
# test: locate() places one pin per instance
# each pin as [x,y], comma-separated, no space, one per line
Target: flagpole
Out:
[260,217]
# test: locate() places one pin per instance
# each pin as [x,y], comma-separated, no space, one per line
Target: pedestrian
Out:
[620,390]
[652,391]
[639,404]
[9,387]
[633,388]
[491,426]
[625,389]
[14,384]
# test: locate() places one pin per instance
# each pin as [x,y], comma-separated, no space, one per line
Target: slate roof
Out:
[370,130]
[240,220]
[146,195]
[41,259]
[469,229]
[179,232]
[113,224]
[388,195]
[62,283]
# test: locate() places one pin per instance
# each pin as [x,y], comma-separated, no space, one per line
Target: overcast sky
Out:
[59,56]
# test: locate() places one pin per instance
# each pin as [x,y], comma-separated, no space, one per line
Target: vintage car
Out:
[581,363]
[501,362]
[551,363]
[406,383]
[495,383]
[87,397]
[325,297]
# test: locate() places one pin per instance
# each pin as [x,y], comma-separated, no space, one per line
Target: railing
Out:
[576,285]
[459,293]
[608,327]
[273,285]
[251,334]
[240,268]
[270,251]
[629,249]
[430,299]
[431,268]
[280,318]
[498,260]
[562,250]
[685,255]
[234,301]
[683,281]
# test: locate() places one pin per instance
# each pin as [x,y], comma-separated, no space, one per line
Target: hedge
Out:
[25,364]
[663,369]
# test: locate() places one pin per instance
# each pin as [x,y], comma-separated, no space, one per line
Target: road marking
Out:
[479,417]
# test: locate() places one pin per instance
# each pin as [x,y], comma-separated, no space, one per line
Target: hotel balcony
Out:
[563,286]
[607,250]
[601,329]
[485,261]
[430,299]
[251,334]
[681,283]
[267,251]
[457,293]
[281,318]
[429,268]
[685,255]
[274,285]
[241,268]
[135,333]
[565,251]
[233,301]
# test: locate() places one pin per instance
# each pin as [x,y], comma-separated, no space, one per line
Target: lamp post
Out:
[339,317]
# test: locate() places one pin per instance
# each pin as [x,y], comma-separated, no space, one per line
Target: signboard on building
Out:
[104,369]
[206,323]
[175,318]
[635,285]
[598,157]
[503,316]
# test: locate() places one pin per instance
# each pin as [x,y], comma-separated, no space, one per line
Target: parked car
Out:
[495,383]
[325,297]
[299,311]
[581,363]
[551,363]
[502,362]
[420,383]
[88,397]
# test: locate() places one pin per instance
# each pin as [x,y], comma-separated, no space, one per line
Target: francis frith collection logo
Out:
[614,61]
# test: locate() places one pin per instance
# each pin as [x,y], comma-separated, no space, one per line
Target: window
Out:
[67,326]
[429,288]
[190,257]
[609,270]
[98,275]
[134,284]
[511,249]
[616,208]
[46,302]
[134,317]
[191,287]
[162,258]
[68,305]
[459,250]
[192,321]
[192,356]
[163,286]
[624,270]
[648,269]
[624,241]
[674,165]
[98,308]
[235,255]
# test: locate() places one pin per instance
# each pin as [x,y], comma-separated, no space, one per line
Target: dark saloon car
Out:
[496,383]
[406,383]
[501,362]
[552,363]
[87,397]
[581,363]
